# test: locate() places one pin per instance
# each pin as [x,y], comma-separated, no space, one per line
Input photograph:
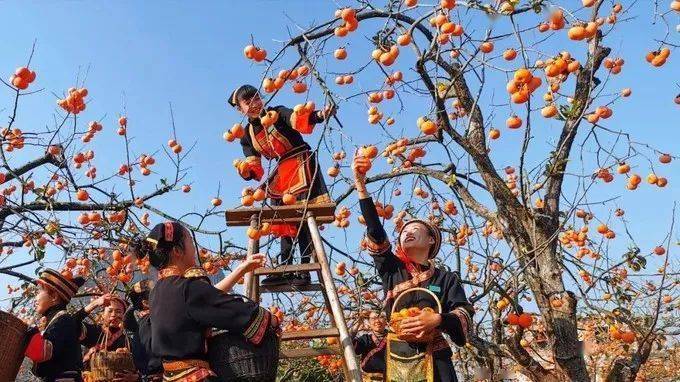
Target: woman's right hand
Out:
[360,166]
[100,301]
[252,262]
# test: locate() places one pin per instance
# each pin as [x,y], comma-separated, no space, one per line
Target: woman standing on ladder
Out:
[410,266]
[275,133]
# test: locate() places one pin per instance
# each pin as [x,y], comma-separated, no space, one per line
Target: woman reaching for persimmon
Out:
[407,266]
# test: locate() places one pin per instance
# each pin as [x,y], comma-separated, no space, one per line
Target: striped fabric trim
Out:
[465,320]
[55,281]
[376,249]
[258,326]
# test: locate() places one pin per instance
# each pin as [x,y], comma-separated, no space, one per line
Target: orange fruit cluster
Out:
[427,126]
[263,230]
[605,231]
[464,231]
[250,196]
[583,31]
[555,22]
[342,217]
[236,132]
[344,80]
[491,229]
[22,77]
[626,336]
[511,180]
[92,128]
[386,57]
[270,85]
[523,320]
[332,363]
[175,146]
[80,158]
[522,85]
[659,57]
[254,53]
[398,316]
[374,116]
[75,101]
[450,208]
[349,16]
[14,138]
[613,65]
[145,161]
[561,65]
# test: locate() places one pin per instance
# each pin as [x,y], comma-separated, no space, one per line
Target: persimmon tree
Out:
[57,210]
[525,228]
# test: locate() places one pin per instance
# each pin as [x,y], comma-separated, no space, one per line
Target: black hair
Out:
[242,92]
[158,246]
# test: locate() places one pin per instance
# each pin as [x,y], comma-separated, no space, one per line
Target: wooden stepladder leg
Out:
[353,370]
[250,282]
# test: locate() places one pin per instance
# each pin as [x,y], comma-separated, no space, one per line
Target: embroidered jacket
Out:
[278,141]
[184,307]
[457,311]
[371,350]
[56,350]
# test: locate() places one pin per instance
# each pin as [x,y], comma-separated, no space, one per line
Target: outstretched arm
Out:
[251,263]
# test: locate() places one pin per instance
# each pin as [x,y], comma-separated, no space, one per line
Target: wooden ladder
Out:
[296,214]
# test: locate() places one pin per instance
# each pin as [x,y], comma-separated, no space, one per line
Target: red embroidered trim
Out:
[257,337]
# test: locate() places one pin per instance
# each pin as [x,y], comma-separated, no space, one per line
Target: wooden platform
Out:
[324,213]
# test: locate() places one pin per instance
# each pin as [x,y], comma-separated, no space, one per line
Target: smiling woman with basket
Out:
[422,301]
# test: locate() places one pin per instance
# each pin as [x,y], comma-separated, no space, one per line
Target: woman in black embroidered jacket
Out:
[54,346]
[185,306]
[297,172]
[410,265]
[370,347]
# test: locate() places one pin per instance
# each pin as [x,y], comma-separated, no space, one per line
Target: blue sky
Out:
[145,55]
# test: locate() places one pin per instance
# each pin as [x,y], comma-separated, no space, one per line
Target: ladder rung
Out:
[309,334]
[310,352]
[323,212]
[290,288]
[288,269]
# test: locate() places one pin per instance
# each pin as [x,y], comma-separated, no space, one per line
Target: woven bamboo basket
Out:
[12,332]
[235,360]
[427,337]
[105,364]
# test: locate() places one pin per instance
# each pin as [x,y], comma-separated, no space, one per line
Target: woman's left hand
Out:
[420,324]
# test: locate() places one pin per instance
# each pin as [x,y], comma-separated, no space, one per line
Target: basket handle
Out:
[439,304]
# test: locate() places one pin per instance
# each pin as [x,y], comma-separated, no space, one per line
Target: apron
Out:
[408,362]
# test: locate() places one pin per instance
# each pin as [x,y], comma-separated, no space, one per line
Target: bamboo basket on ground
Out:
[12,332]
